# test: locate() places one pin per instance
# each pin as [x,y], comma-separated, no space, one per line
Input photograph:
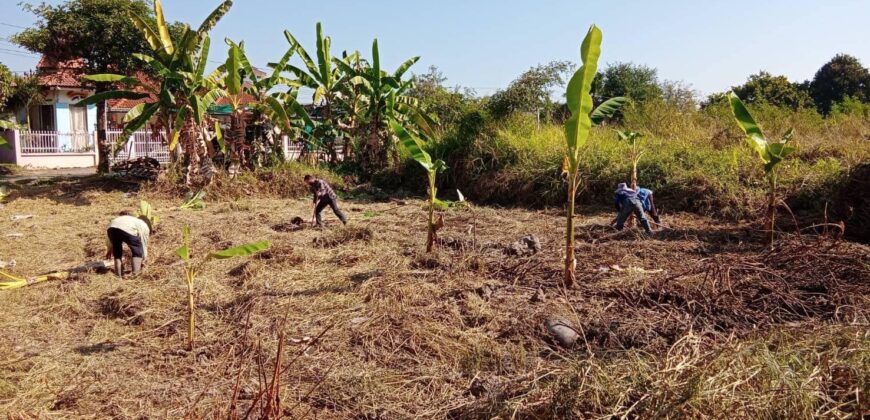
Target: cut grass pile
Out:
[698,321]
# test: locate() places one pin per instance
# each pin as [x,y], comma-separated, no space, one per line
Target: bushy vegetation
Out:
[695,160]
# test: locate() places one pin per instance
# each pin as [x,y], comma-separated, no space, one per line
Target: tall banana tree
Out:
[385,98]
[267,149]
[770,153]
[577,128]
[413,145]
[183,91]
[327,81]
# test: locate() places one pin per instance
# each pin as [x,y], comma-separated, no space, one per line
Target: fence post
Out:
[15,141]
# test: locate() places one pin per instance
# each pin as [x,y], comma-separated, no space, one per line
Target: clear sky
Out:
[484,44]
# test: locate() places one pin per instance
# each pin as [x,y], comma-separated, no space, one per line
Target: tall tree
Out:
[634,81]
[532,91]
[98,31]
[841,77]
[6,85]
[774,90]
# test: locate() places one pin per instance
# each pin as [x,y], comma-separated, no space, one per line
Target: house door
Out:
[78,124]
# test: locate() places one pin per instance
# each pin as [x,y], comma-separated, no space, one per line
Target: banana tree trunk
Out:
[237,139]
[103,150]
[634,175]
[430,237]
[771,210]
[570,259]
[191,314]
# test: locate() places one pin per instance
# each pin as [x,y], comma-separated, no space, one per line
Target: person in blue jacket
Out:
[628,202]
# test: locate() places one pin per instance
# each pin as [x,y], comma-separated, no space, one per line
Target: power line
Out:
[19,52]
[14,26]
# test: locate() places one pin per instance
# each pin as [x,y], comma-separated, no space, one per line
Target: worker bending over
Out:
[323,196]
[627,202]
[645,195]
[130,230]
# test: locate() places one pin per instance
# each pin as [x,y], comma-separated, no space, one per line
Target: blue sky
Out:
[484,44]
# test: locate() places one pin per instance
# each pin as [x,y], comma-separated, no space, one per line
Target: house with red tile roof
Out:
[62,134]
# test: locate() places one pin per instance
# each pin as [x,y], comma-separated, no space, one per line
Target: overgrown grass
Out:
[694,160]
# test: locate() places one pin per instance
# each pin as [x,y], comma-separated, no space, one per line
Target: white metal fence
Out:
[142,143]
[52,142]
[293,151]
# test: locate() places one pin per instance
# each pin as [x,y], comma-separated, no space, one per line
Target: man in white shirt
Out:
[130,230]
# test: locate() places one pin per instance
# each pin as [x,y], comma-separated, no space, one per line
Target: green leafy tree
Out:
[841,77]
[6,86]
[26,93]
[531,91]
[577,127]
[634,81]
[771,154]
[98,31]
[774,90]
[449,104]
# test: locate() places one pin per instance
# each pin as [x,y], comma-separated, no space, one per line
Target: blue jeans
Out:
[632,205]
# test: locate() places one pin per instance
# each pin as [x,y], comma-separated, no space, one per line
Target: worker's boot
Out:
[137,266]
[119,267]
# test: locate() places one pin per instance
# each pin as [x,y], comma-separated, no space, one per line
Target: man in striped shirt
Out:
[323,196]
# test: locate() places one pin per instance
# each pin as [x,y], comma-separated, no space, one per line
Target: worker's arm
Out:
[108,249]
[145,237]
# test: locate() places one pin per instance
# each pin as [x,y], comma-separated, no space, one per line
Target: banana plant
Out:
[260,89]
[413,146]
[146,212]
[770,153]
[634,151]
[577,128]
[192,268]
[327,81]
[385,97]
[183,92]
[193,201]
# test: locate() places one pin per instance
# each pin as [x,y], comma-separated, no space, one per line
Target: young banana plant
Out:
[413,145]
[146,212]
[577,128]
[193,201]
[191,268]
[770,153]
[634,151]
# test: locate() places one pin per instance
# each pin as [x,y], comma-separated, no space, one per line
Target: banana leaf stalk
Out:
[10,282]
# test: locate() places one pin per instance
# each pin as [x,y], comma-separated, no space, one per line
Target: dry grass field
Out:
[698,321]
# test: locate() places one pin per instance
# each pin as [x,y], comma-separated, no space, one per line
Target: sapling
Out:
[577,128]
[771,154]
[634,151]
[193,201]
[413,145]
[191,269]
